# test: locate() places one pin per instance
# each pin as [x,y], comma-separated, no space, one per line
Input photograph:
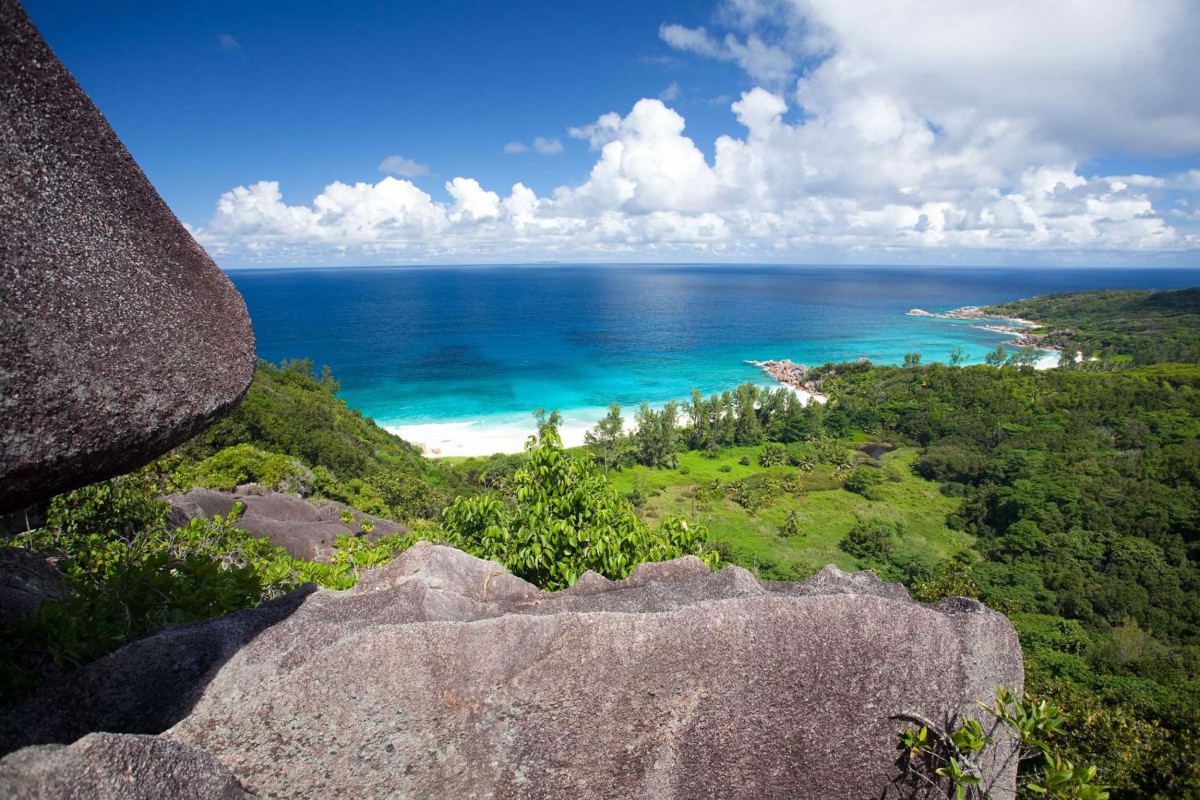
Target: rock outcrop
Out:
[789,373]
[441,675]
[119,336]
[106,766]
[306,529]
[26,581]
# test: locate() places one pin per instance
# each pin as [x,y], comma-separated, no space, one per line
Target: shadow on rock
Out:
[146,686]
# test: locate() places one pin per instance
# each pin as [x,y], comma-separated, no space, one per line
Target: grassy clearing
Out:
[825,512]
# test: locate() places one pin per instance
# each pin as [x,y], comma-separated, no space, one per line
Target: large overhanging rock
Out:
[441,675]
[119,336]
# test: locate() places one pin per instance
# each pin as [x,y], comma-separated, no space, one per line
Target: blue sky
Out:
[305,133]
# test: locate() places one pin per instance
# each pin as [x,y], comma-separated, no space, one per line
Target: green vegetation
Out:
[129,572]
[1068,499]
[1140,326]
[559,517]
[548,516]
[1081,492]
[291,432]
[945,762]
[786,521]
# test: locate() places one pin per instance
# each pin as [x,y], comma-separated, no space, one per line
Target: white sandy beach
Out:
[1048,361]
[487,437]
[479,438]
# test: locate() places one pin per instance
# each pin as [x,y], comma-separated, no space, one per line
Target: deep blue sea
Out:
[462,351]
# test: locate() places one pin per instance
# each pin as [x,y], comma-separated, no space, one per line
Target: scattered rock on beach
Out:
[789,373]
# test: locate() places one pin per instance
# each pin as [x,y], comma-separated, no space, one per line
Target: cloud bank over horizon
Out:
[871,131]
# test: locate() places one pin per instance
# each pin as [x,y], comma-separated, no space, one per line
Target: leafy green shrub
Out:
[863,480]
[112,509]
[562,518]
[725,468]
[245,463]
[126,582]
[949,579]
[757,491]
[872,539]
[129,573]
[829,450]
[802,455]
[293,410]
[773,455]
[943,761]
[951,462]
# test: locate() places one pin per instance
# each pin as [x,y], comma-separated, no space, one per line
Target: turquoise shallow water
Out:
[489,344]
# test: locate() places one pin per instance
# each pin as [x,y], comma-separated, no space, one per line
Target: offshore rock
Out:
[106,766]
[307,529]
[442,675]
[119,336]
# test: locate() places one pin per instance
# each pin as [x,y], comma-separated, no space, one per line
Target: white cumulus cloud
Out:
[872,129]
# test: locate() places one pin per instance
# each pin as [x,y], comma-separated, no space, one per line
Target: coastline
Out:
[481,438]
[1051,344]
[793,376]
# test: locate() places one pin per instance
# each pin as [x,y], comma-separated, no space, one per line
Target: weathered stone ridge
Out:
[307,529]
[442,675]
[119,336]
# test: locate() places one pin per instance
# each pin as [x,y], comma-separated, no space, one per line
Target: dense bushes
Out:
[128,572]
[1146,327]
[1081,490]
[559,517]
[863,481]
[292,432]
[872,539]
[245,463]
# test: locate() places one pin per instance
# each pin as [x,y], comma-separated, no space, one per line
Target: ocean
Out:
[457,358]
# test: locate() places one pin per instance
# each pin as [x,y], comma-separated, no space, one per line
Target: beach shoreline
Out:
[482,438]
[478,438]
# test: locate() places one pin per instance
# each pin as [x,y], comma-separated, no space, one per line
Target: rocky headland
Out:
[789,373]
[1058,339]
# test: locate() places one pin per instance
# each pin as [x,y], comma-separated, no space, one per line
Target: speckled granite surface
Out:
[119,336]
